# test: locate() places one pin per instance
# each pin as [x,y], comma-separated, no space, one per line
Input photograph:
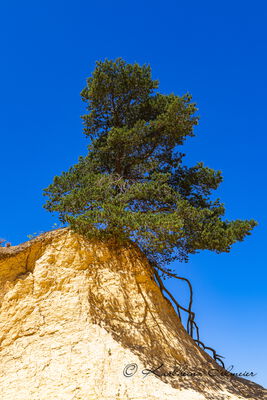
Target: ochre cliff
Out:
[74,313]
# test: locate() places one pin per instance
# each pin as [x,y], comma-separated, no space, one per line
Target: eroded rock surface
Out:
[82,320]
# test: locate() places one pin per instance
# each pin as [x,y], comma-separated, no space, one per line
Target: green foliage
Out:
[34,235]
[132,184]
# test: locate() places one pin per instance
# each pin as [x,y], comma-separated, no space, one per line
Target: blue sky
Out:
[214,50]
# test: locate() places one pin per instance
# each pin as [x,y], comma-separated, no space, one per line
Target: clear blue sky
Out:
[215,50]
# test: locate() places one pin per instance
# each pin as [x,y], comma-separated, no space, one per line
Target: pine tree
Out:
[133,185]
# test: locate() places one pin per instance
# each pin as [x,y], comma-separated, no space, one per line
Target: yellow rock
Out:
[85,320]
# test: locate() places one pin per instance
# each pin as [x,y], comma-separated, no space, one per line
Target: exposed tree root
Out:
[191,326]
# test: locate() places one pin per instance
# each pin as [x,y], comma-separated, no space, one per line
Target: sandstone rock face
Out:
[84,320]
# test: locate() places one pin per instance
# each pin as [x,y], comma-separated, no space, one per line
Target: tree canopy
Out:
[133,184]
